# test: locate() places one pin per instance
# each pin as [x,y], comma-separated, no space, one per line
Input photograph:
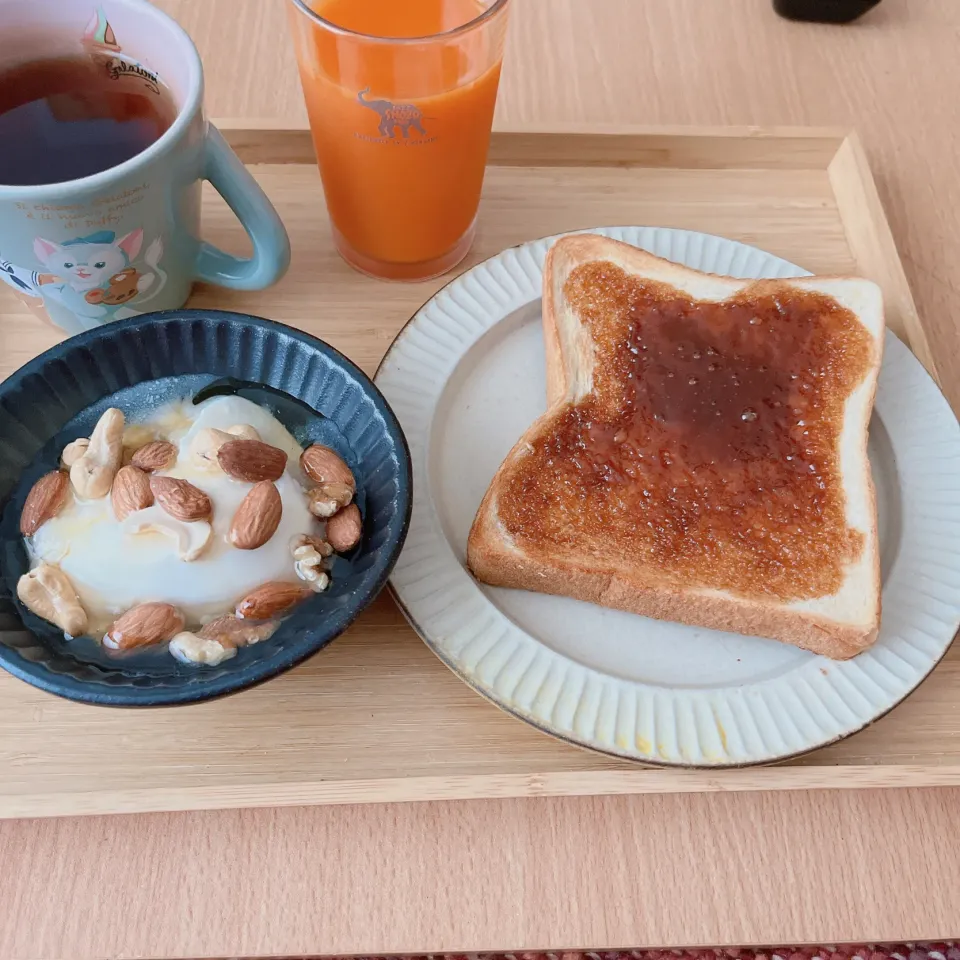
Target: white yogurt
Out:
[113,569]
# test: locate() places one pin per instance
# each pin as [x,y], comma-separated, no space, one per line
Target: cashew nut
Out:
[244,431]
[189,648]
[191,538]
[204,446]
[92,475]
[47,591]
[73,451]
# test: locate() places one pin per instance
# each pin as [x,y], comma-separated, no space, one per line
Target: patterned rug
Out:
[898,951]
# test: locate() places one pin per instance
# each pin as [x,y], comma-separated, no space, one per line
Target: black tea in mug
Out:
[65,118]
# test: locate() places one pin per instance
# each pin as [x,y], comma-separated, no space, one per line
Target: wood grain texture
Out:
[377,717]
[892,76]
[873,247]
[421,878]
[515,874]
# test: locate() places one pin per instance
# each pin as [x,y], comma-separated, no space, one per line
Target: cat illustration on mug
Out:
[93,277]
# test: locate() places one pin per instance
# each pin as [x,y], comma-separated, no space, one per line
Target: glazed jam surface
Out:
[706,450]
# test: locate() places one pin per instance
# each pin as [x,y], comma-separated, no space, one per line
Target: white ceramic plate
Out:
[466,378]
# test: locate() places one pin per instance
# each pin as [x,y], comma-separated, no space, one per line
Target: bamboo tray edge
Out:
[272,144]
[486,787]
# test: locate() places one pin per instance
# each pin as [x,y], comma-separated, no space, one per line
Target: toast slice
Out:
[703,457]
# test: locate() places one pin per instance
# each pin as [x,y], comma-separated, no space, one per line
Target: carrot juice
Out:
[400,97]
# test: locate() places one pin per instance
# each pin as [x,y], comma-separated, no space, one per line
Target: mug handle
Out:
[244,196]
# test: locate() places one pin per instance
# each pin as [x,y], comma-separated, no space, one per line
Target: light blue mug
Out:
[126,240]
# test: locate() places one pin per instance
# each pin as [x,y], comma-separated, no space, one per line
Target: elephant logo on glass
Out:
[392,115]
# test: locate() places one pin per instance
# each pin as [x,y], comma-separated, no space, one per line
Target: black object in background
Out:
[823,11]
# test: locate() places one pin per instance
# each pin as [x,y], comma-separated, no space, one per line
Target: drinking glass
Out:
[401,125]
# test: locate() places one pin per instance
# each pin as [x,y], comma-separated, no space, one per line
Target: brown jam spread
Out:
[706,452]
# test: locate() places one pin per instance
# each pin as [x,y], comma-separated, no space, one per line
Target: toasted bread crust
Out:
[495,559]
[553,352]
[497,567]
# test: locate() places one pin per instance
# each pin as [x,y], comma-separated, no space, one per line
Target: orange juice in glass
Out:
[400,95]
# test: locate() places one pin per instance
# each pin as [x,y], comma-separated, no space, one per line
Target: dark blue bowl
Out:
[137,364]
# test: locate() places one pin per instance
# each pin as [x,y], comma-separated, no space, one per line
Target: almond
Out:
[324,465]
[345,528]
[142,625]
[156,455]
[230,631]
[44,501]
[251,460]
[130,491]
[271,599]
[257,517]
[181,499]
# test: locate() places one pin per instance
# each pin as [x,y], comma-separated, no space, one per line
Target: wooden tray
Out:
[376,717]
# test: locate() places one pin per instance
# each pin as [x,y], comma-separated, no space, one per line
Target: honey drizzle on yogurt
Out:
[113,570]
